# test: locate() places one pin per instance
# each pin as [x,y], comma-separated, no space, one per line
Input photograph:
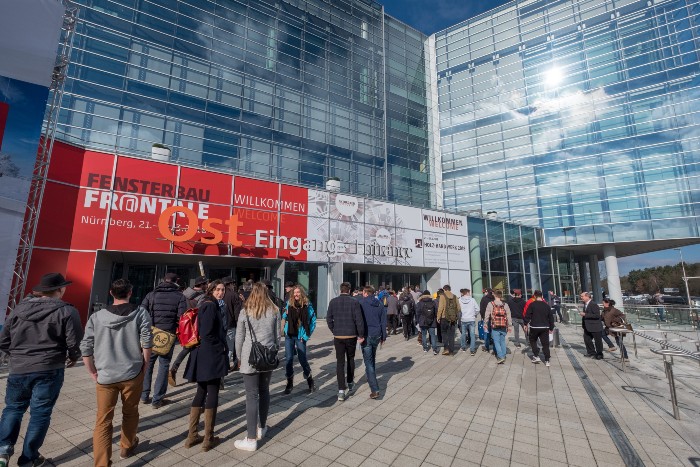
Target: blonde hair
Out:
[259,301]
[304,297]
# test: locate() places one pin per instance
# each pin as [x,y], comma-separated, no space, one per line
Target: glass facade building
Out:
[577,116]
[290,90]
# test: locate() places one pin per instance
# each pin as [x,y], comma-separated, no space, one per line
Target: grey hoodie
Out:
[40,333]
[469,308]
[115,339]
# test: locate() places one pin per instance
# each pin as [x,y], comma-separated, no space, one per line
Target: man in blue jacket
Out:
[375,332]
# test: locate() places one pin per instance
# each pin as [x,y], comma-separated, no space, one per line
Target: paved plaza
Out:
[434,410]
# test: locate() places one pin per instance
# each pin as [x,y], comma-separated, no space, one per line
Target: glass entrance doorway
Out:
[391,280]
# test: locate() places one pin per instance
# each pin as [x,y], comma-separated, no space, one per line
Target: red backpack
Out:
[499,319]
[188,328]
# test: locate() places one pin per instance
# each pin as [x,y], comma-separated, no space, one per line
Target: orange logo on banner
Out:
[192,227]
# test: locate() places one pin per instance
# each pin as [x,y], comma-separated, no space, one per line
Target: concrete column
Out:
[614,287]
[475,262]
[583,276]
[595,278]
[534,277]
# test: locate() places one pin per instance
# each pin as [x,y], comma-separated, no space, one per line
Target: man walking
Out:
[234,304]
[592,327]
[517,311]
[555,303]
[485,300]
[448,316]
[347,323]
[469,310]
[42,337]
[375,325]
[498,319]
[116,348]
[165,305]
[194,296]
[407,309]
[392,312]
[426,312]
[540,323]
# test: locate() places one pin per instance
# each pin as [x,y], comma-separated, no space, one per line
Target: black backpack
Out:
[406,308]
[429,312]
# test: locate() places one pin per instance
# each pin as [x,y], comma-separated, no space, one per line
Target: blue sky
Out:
[436,15]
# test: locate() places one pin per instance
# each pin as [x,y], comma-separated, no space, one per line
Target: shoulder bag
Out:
[163,341]
[262,358]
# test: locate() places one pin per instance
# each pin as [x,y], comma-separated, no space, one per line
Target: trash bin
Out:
[557,342]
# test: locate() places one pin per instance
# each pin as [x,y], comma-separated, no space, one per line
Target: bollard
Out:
[557,343]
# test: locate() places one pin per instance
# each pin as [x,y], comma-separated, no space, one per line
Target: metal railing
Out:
[679,318]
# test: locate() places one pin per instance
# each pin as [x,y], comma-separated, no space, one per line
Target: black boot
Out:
[290,385]
[312,386]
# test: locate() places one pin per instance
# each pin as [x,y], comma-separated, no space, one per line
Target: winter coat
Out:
[442,303]
[613,318]
[485,300]
[40,333]
[233,305]
[116,336]
[194,297]
[425,309]
[307,320]
[517,307]
[266,331]
[209,360]
[165,304]
[345,318]
[407,299]
[539,316]
[375,317]
[392,307]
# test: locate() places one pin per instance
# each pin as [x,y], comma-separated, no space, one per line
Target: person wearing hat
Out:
[165,305]
[194,296]
[42,336]
[288,287]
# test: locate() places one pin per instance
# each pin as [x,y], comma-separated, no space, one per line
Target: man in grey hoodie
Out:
[469,311]
[116,348]
[42,336]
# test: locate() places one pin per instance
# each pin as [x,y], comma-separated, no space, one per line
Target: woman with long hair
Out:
[262,316]
[207,365]
[299,322]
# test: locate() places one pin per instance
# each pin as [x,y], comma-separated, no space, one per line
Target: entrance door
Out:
[143,278]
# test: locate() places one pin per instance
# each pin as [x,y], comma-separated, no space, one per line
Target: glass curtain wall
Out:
[579,116]
[287,90]
[507,256]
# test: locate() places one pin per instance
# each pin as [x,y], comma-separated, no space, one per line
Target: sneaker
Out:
[536,360]
[484,349]
[126,453]
[464,350]
[472,353]
[425,350]
[159,404]
[4,460]
[38,462]
[501,361]
[261,433]
[341,395]
[546,363]
[446,352]
[612,349]
[374,395]
[351,387]
[435,352]
[147,400]
[246,444]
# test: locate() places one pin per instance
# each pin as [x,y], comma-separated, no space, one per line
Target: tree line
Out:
[649,280]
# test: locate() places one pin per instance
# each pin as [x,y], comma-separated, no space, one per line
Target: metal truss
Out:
[41,167]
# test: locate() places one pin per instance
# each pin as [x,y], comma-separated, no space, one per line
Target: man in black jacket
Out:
[592,327]
[517,305]
[165,304]
[347,323]
[539,322]
[234,304]
[485,300]
[42,337]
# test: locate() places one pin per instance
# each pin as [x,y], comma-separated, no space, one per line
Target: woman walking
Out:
[299,322]
[207,365]
[614,318]
[262,317]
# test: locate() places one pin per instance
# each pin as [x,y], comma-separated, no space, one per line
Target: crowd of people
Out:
[240,329]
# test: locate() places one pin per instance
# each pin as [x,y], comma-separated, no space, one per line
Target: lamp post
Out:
[685,278]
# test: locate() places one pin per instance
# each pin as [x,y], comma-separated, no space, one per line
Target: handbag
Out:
[262,357]
[163,341]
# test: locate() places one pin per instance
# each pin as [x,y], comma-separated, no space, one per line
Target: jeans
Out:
[37,391]
[499,342]
[345,353]
[289,344]
[607,340]
[257,401]
[488,337]
[543,336]
[231,341]
[468,327]
[517,324]
[433,338]
[448,335]
[662,313]
[107,395]
[161,385]
[369,354]
[623,349]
